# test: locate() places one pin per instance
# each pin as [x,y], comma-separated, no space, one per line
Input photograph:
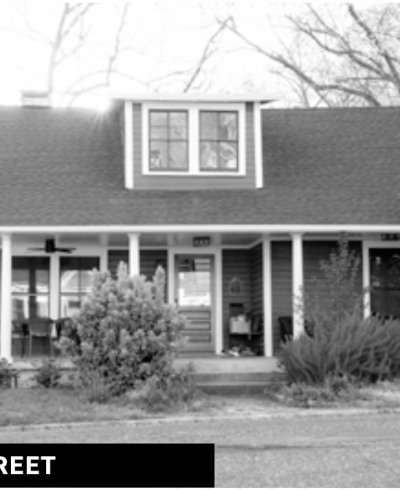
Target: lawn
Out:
[26,406]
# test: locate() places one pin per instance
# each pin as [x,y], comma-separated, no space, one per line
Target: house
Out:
[237,201]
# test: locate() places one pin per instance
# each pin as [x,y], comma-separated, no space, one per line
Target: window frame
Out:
[169,139]
[194,109]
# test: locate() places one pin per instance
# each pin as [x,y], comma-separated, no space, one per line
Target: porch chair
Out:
[40,328]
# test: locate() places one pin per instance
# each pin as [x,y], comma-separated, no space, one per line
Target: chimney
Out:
[35,98]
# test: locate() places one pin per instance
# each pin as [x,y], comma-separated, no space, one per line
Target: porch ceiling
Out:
[23,241]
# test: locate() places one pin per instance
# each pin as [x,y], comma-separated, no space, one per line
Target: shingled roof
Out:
[321,166]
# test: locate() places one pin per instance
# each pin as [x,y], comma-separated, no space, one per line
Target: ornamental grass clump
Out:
[340,343]
[359,350]
[125,333]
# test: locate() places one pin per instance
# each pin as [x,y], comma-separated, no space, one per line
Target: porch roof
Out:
[334,166]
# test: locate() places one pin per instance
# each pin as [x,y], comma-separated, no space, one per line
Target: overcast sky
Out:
[162,36]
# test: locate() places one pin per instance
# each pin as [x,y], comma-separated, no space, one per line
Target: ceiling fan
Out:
[50,247]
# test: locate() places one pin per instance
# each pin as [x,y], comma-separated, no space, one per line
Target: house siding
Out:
[235,264]
[313,253]
[257,291]
[192,182]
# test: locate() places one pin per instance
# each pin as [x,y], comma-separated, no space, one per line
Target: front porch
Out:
[212,276]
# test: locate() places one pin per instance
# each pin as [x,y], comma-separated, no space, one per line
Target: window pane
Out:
[70,281]
[158,125]
[178,155]
[158,155]
[69,305]
[178,125]
[30,275]
[20,307]
[76,273]
[20,281]
[86,281]
[228,155]
[88,264]
[29,306]
[209,155]
[228,126]
[194,282]
[209,125]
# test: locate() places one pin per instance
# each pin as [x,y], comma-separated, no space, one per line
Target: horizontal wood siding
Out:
[313,253]
[193,182]
[281,253]
[257,291]
[235,264]
[148,262]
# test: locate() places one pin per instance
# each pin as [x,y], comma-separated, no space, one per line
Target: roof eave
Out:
[262,98]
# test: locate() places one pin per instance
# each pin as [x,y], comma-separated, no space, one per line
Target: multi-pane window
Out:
[30,287]
[169,140]
[76,279]
[219,140]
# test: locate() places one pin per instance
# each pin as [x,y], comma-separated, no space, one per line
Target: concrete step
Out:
[237,383]
[236,388]
[205,377]
[230,364]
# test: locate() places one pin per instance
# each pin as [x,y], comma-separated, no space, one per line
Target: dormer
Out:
[192,141]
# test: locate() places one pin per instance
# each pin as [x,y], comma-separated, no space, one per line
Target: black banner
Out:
[107,465]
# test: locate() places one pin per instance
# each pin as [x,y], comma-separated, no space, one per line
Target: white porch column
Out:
[104,253]
[134,254]
[54,286]
[366,280]
[297,266]
[6,313]
[218,302]
[267,296]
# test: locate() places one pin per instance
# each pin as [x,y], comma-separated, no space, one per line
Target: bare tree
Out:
[82,61]
[336,56]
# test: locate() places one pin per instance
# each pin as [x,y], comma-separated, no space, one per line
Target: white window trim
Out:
[194,138]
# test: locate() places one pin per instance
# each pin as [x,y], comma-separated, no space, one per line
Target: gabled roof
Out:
[322,166]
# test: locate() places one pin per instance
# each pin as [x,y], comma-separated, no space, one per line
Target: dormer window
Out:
[168,140]
[204,139]
[219,140]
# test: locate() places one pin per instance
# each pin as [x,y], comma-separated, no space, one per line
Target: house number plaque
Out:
[390,236]
[201,241]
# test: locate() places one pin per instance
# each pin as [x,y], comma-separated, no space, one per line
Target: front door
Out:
[385,281]
[194,293]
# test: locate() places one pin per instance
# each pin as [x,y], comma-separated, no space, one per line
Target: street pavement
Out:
[347,451]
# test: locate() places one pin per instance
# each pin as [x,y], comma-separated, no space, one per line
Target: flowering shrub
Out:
[125,332]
